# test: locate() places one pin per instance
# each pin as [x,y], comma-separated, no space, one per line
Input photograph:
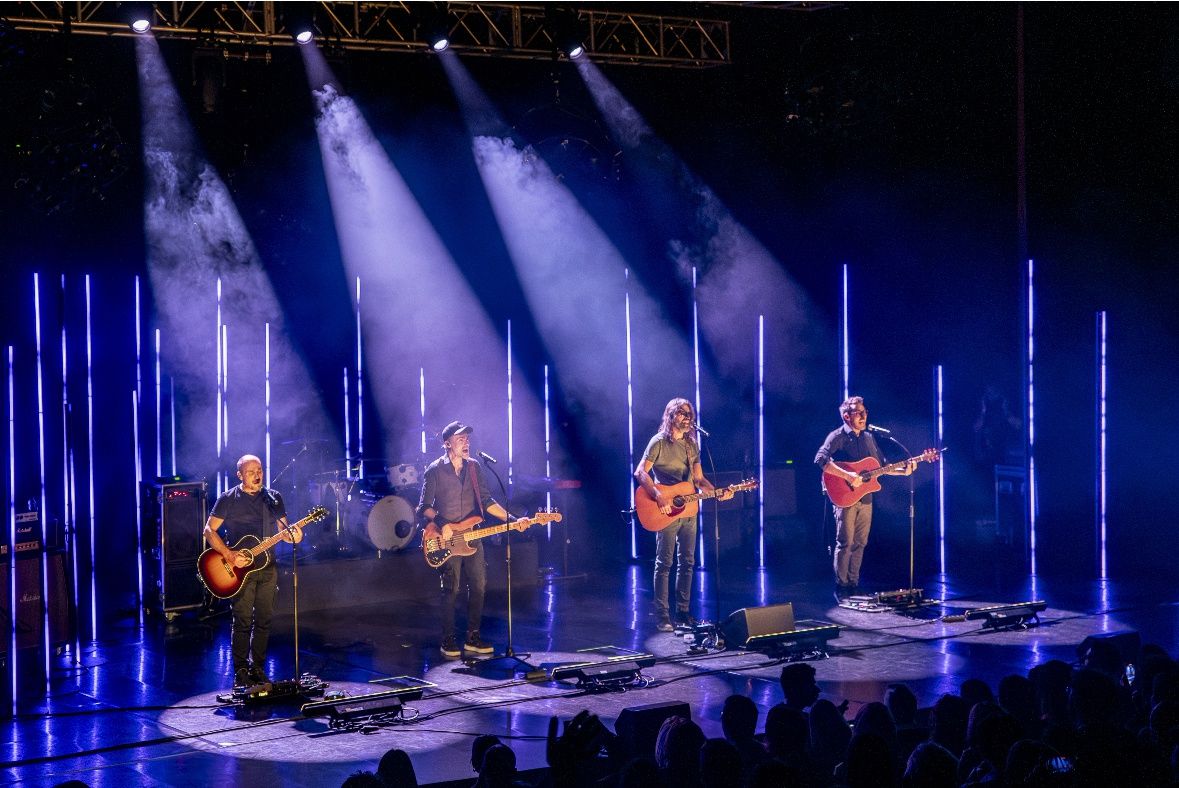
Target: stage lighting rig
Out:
[565,30]
[139,16]
[299,20]
[435,23]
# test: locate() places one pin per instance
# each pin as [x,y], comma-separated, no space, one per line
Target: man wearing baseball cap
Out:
[454,499]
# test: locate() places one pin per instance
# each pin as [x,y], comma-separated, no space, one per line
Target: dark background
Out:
[879,136]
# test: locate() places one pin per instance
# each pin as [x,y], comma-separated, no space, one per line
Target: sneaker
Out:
[241,677]
[477,644]
[450,648]
[664,625]
[257,676]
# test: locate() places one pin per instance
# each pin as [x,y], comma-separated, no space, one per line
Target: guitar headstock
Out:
[930,455]
[315,515]
[748,484]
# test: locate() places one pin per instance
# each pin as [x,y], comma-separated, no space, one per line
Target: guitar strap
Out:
[471,466]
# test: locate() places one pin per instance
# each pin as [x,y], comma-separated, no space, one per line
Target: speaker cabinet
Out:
[755,622]
[178,539]
[638,726]
[27,614]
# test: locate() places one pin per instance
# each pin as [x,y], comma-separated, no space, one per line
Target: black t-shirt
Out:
[249,514]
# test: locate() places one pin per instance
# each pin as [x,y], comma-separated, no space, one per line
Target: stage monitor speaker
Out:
[638,726]
[754,622]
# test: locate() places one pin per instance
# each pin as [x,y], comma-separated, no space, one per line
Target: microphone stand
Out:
[912,516]
[509,662]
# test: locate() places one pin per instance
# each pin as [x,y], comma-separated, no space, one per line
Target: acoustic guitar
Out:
[842,494]
[223,579]
[685,502]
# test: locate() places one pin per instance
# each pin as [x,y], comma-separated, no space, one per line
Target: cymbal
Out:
[331,476]
[360,459]
[300,441]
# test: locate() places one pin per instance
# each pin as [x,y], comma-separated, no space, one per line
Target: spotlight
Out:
[565,30]
[300,23]
[138,16]
[435,21]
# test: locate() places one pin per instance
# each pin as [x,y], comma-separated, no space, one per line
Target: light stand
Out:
[509,662]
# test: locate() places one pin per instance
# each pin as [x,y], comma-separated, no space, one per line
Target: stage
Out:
[142,708]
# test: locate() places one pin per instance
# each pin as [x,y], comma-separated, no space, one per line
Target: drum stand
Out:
[509,663]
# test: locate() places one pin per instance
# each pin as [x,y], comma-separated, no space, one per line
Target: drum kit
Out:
[372,504]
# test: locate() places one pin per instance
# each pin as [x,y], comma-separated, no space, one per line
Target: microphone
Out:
[270,497]
[488,457]
[881,430]
[702,431]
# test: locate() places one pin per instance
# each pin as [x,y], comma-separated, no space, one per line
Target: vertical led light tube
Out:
[844,337]
[359,384]
[266,351]
[159,417]
[67,458]
[761,441]
[172,417]
[225,389]
[90,465]
[510,424]
[44,609]
[1101,444]
[11,647]
[422,404]
[347,430]
[630,424]
[700,541]
[941,470]
[1031,414]
[138,498]
[548,467]
[217,337]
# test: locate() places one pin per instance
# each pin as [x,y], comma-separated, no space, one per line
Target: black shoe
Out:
[853,589]
[241,677]
[842,592]
[477,645]
[684,620]
[257,676]
[664,625]
[449,648]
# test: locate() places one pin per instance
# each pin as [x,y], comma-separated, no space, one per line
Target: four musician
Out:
[250,509]
[453,491]
[672,456]
[850,443]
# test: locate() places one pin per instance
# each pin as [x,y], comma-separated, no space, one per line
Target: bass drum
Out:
[386,523]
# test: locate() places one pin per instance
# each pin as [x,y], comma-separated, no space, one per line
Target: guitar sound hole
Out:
[678,501]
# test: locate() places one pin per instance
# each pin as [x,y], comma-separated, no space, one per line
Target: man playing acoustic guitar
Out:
[850,443]
[672,456]
[453,490]
[251,509]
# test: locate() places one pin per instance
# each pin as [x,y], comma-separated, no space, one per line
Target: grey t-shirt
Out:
[672,461]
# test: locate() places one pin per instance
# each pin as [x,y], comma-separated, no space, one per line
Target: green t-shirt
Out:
[672,461]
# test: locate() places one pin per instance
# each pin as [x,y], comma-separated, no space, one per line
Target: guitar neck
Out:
[483,533]
[271,541]
[892,466]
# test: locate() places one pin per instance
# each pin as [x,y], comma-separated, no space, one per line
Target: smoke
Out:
[196,237]
[574,281]
[420,310]
[738,277]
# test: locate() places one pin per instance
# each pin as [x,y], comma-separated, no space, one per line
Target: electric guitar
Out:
[223,579]
[438,551]
[684,502]
[842,494]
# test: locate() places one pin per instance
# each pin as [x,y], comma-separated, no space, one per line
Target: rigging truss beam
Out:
[505,30]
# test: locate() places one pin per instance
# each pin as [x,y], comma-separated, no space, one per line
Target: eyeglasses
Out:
[684,412]
[860,412]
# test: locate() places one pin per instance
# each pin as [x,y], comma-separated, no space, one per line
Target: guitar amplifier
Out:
[174,540]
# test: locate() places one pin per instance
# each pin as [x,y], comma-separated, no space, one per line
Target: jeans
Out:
[852,525]
[253,608]
[473,570]
[679,538]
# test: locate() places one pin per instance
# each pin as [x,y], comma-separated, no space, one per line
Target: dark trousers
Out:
[472,570]
[678,539]
[252,610]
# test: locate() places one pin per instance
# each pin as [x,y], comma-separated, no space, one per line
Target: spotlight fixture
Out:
[436,24]
[300,23]
[565,31]
[139,16]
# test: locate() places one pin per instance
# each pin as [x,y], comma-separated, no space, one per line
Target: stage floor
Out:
[140,707]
